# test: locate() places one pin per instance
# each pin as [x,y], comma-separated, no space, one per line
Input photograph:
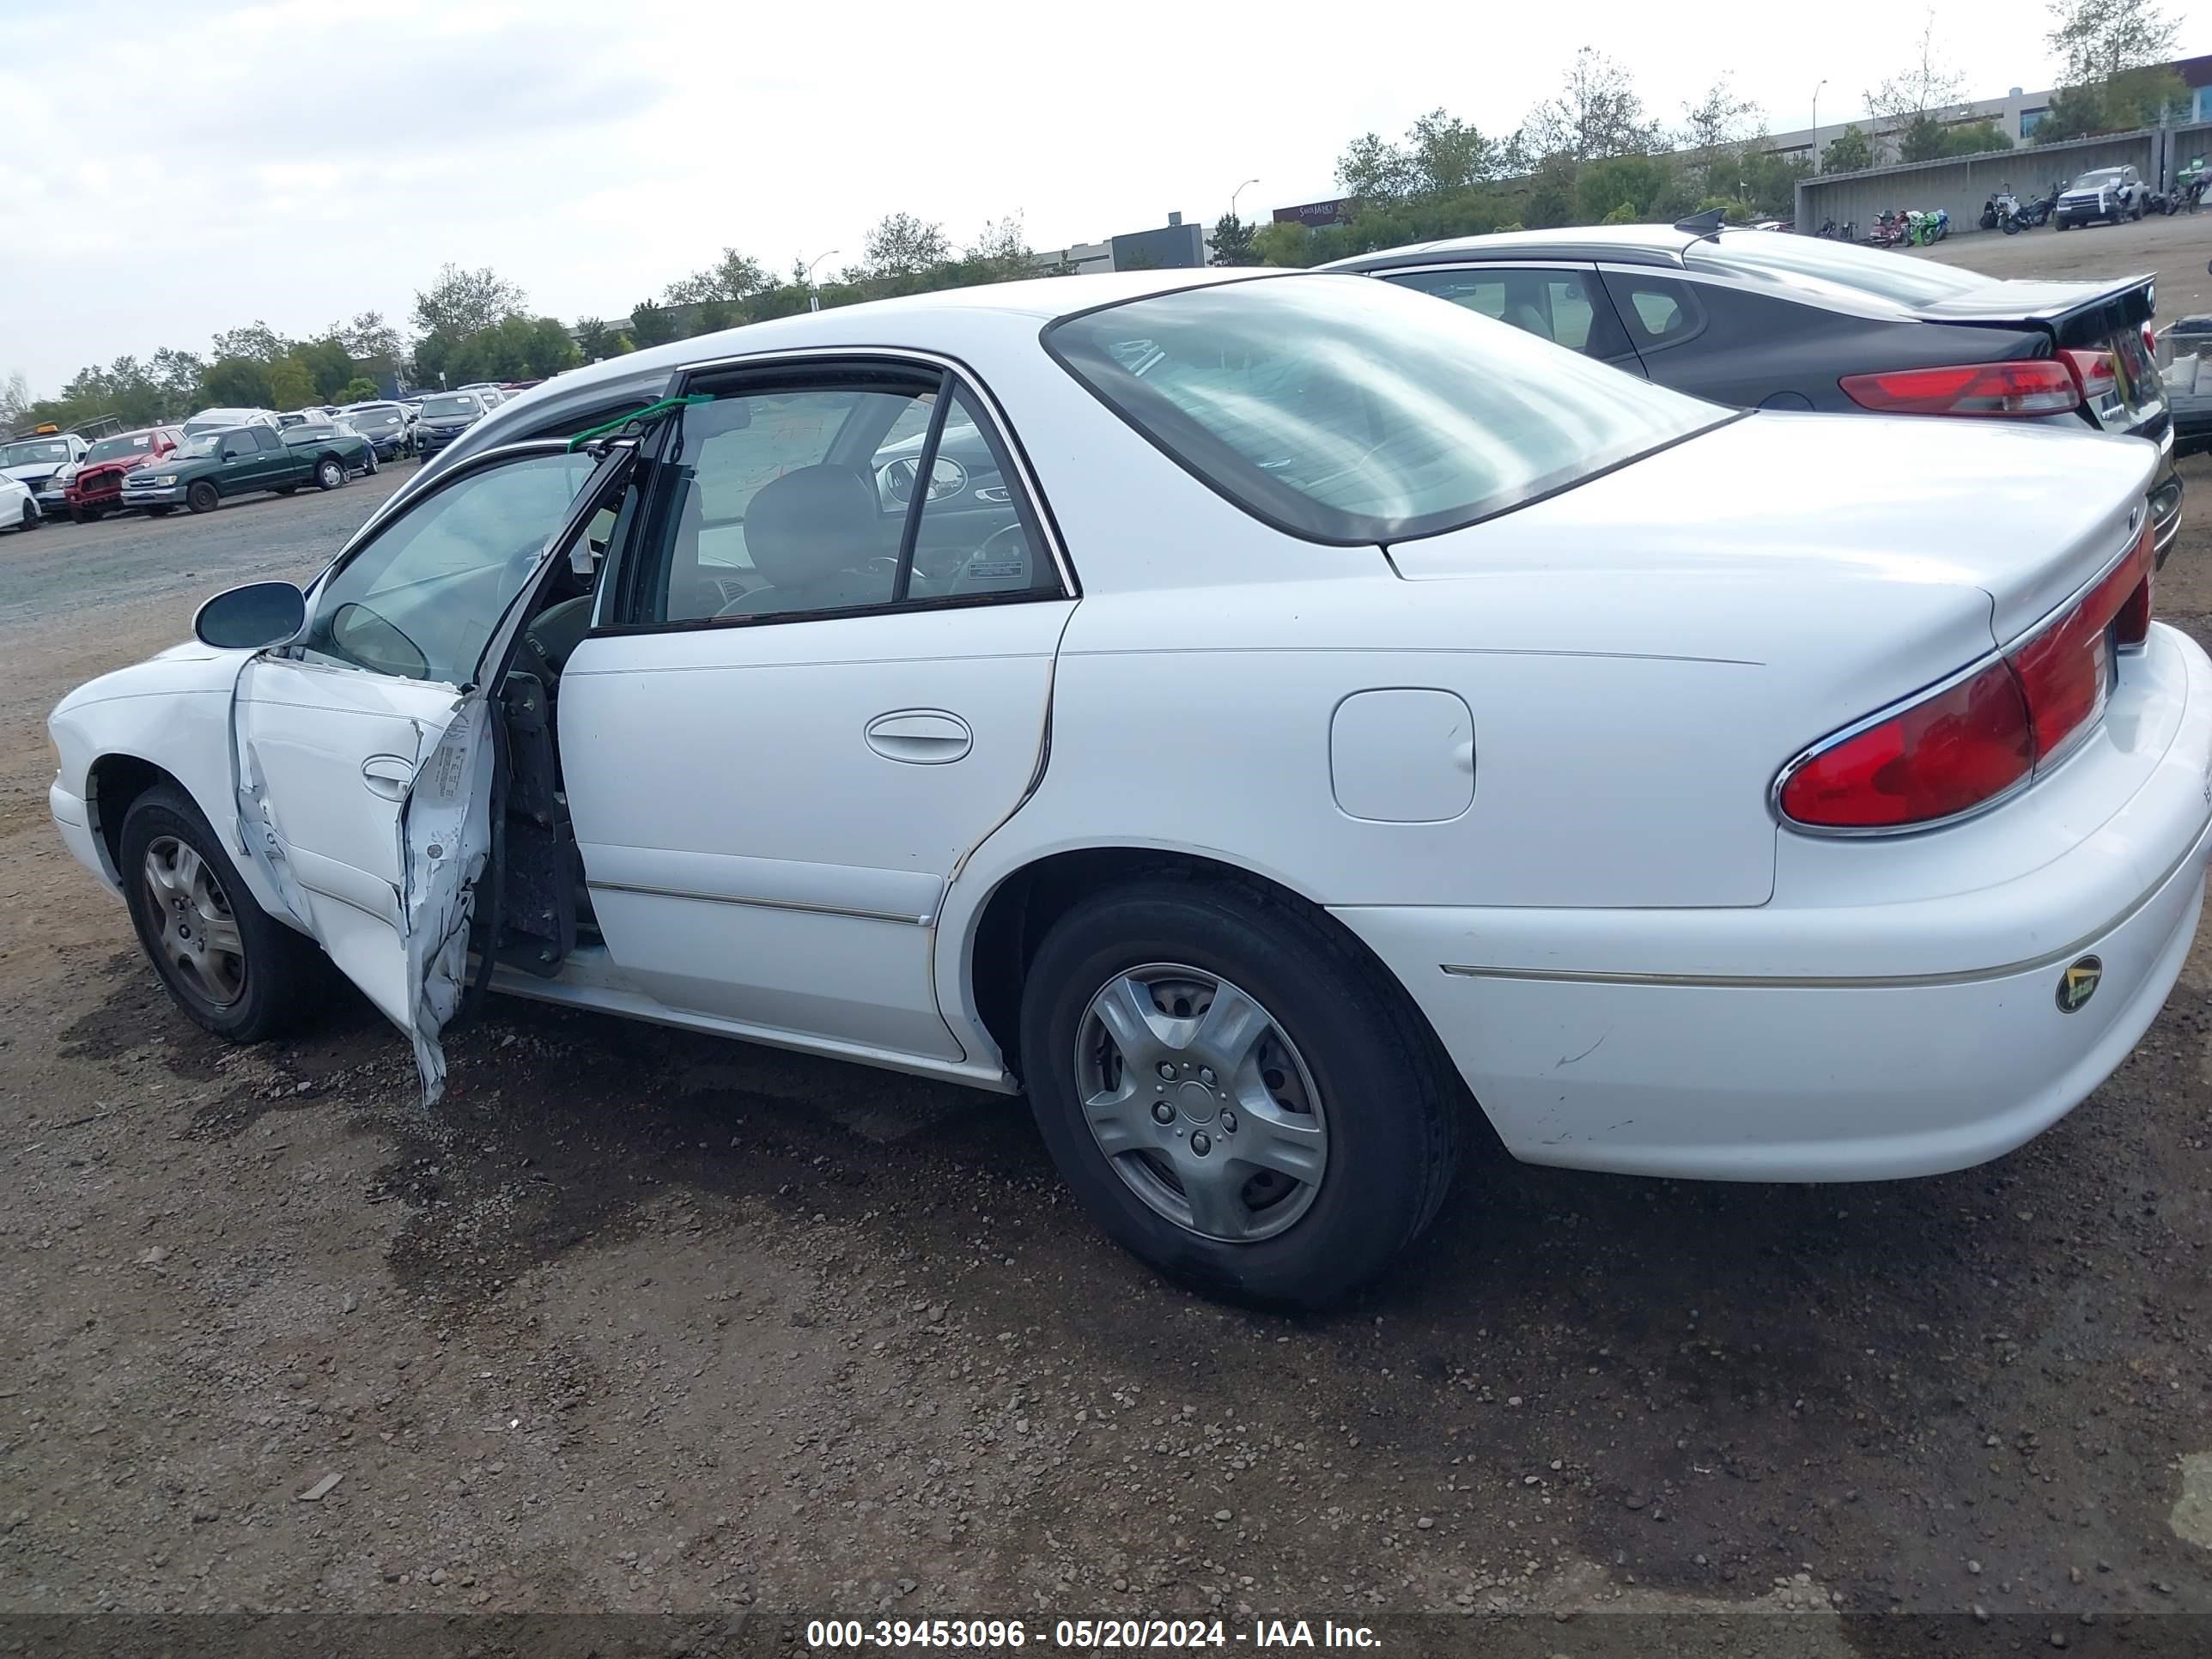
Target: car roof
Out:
[1656,245]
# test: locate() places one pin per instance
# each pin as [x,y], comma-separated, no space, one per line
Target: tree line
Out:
[1591,153]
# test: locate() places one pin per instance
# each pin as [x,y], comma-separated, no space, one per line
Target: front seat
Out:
[815,536]
[1526,317]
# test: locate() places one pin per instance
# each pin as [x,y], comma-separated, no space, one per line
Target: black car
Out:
[1766,319]
[445,416]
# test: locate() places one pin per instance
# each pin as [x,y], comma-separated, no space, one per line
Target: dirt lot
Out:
[654,1323]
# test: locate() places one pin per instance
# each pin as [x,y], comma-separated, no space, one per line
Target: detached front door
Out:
[819,677]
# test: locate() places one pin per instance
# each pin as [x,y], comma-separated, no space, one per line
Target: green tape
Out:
[651,412]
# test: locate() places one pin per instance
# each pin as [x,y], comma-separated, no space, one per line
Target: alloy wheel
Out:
[198,932]
[1201,1103]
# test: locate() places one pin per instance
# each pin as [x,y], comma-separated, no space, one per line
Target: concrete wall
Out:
[1962,185]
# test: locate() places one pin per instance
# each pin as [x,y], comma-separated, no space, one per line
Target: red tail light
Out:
[1967,743]
[2095,372]
[2032,385]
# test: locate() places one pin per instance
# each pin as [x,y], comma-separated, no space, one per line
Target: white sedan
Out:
[19,508]
[1293,721]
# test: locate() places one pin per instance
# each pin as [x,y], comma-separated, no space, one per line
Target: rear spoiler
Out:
[2052,305]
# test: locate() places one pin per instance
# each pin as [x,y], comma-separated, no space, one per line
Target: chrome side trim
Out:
[970,382]
[1849,981]
[759,903]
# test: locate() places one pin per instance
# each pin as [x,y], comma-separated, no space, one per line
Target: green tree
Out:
[733,278]
[328,363]
[237,383]
[465,302]
[1596,113]
[901,245]
[622,346]
[1849,151]
[593,338]
[999,252]
[1232,242]
[359,390]
[1633,182]
[2099,39]
[2134,97]
[176,376]
[291,384]
[650,325]
[1283,243]
[255,342]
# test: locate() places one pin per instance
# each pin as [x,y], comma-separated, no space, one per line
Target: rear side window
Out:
[1562,306]
[1659,311]
[1345,410]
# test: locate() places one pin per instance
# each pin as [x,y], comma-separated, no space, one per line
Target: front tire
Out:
[1236,1094]
[330,473]
[225,961]
[28,519]
[203,497]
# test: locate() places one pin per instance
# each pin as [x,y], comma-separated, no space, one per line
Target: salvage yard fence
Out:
[1961,184]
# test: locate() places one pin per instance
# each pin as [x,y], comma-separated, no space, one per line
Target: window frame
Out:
[618,597]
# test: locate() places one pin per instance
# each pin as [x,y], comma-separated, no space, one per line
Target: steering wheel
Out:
[1000,543]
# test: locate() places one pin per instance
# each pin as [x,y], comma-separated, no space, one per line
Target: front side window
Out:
[421,598]
[1343,409]
[831,493]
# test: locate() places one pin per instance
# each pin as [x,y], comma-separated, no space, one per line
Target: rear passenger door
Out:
[1565,304]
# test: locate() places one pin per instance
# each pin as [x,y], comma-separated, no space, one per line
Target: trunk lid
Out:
[1801,505]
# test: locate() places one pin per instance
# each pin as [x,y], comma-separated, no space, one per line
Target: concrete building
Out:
[1172,247]
[2016,115]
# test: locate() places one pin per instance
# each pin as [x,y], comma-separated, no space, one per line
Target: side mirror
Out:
[250,617]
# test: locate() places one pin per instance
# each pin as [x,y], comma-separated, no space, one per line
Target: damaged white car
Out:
[1277,721]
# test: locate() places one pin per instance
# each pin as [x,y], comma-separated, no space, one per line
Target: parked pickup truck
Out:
[96,488]
[214,466]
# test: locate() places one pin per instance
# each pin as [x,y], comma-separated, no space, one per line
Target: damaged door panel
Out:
[371,751]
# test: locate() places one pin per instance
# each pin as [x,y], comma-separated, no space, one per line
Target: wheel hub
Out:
[199,936]
[1201,1103]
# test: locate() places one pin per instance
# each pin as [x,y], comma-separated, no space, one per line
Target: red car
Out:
[98,485]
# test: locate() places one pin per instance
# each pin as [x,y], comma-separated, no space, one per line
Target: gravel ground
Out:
[648,1322]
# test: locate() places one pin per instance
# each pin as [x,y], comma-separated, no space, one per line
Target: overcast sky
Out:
[174,170]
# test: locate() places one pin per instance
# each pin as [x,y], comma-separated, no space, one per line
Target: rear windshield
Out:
[1777,253]
[1345,410]
[457,402]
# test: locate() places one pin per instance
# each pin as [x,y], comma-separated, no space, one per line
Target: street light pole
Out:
[814,300]
[1237,192]
[1816,127]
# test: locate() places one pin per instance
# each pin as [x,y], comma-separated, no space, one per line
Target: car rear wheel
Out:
[230,966]
[203,497]
[29,520]
[1234,1092]
[330,474]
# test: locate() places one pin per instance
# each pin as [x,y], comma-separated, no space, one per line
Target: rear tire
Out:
[226,962]
[29,519]
[330,473]
[1342,1079]
[203,497]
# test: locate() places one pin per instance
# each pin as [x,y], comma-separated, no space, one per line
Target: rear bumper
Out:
[1846,1042]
